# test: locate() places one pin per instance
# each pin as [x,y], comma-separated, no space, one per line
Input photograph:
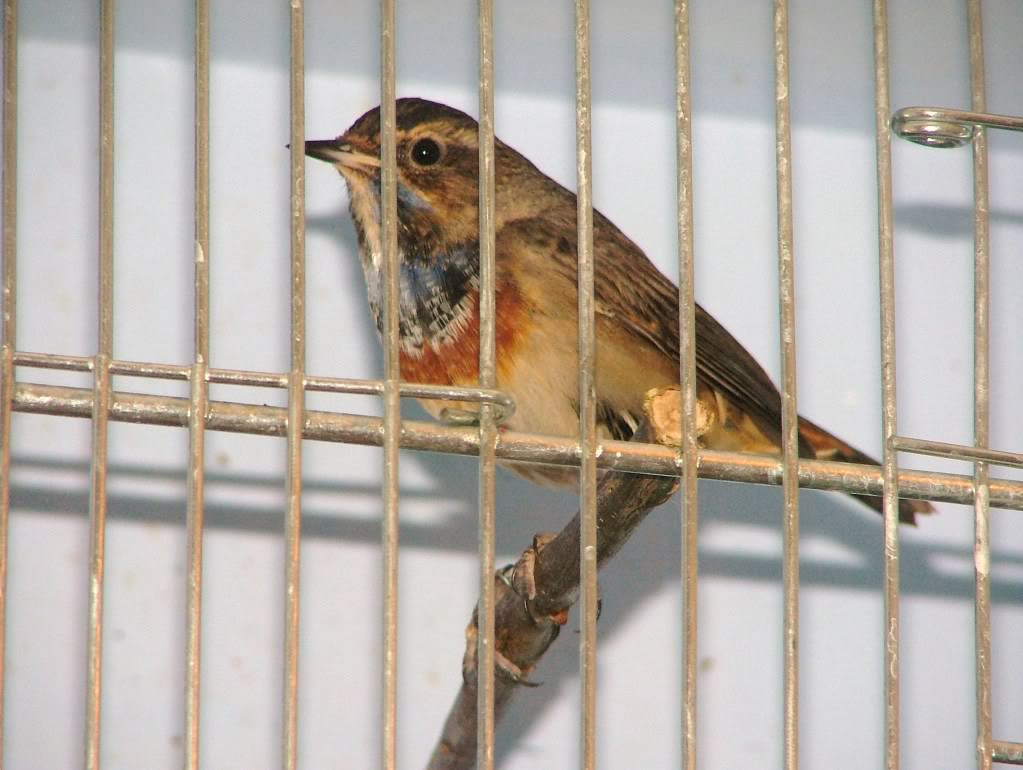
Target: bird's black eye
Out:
[426,152]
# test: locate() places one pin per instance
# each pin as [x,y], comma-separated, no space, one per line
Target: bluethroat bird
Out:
[637,307]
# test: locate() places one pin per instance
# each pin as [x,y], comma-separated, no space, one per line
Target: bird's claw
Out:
[524,577]
[470,660]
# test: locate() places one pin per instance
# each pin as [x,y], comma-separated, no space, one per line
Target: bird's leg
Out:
[470,661]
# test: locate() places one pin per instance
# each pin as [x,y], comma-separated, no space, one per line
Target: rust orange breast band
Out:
[455,361]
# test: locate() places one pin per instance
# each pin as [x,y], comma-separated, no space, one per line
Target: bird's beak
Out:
[340,153]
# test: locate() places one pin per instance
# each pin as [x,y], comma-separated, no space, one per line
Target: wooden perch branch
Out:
[536,593]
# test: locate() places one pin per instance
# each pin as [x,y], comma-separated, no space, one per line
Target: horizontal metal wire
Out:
[504,406]
[1007,752]
[518,447]
[957,451]
[502,402]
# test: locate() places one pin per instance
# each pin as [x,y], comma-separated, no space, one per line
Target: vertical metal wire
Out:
[587,390]
[101,386]
[198,384]
[886,254]
[687,376]
[789,415]
[392,376]
[487,379]
[8,342]
[981,404]
[296,388]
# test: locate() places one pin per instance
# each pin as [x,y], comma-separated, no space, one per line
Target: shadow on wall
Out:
[824,516]
[949,221]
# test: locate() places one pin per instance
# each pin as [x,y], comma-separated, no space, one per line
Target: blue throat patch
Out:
[434,286]
[433,294]
[433,290]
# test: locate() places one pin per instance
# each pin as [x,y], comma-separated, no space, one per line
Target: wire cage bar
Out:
[8,342]
[296,388]
[587,392]
[102,404]
[486,696]
[789,414]
[889,413]
[198,389]
[392,374]
[687,461]
[101,387]
[981,394]
[1007,752]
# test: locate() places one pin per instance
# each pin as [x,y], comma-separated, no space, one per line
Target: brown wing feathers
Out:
[632,291]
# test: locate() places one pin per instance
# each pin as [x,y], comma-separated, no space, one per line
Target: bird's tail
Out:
[828,447]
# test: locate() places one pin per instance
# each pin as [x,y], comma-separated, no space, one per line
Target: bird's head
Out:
[438,165]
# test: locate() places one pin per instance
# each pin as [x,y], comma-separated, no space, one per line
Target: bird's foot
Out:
[470,660]
[522,579]
[451,415]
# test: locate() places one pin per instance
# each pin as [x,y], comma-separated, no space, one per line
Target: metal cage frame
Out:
[101,403]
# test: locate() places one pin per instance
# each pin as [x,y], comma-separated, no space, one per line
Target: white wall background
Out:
[740,543]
